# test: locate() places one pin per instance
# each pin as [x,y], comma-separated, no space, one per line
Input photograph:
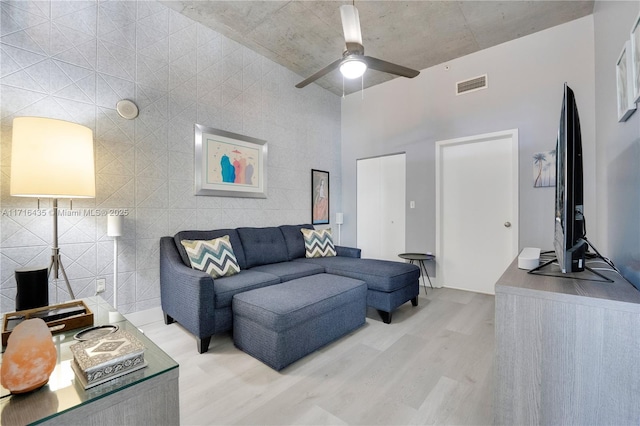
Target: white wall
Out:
[618,144]
[74,60]
[525,91]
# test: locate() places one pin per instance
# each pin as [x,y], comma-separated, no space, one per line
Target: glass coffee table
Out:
[146,396]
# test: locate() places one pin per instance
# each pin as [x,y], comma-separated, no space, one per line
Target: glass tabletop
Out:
[64,391]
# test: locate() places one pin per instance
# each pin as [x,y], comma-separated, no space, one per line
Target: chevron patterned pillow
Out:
[215,257]
[318,243]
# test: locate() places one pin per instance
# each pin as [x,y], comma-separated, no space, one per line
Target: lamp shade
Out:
[51,158]
[339,218]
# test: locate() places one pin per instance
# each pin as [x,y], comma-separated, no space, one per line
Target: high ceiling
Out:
[305,36]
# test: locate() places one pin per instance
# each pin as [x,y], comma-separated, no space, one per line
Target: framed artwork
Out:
[544,169]
[229,165]
[626,106]
[319,197]
[635,59]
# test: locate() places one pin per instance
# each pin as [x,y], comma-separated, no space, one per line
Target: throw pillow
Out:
[215,257]
[318,243]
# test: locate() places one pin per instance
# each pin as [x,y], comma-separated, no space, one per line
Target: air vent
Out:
[471,85]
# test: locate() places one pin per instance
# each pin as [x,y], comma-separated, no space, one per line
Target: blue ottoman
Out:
[282,323]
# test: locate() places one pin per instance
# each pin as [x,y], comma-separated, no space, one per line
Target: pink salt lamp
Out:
[30,357]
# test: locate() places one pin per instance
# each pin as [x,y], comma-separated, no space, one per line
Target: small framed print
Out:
[319,197]
[544,169]
[626,105]
[229,165]
[635,60]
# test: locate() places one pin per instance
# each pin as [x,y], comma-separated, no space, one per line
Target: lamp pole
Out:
[56,261]
[114,229]
[115,272]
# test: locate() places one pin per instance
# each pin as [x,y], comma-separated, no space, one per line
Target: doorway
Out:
[476,209]
[381,193]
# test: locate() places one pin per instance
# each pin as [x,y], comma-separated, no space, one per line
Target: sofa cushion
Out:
[215,257]
[318,243]
[225,288]
[263,246]
[381,275]
[210,235]
[288,271]
[294,239]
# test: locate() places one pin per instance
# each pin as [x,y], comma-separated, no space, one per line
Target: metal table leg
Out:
[422,267]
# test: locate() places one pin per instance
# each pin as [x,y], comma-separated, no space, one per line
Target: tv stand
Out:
[547,268]
[567,350]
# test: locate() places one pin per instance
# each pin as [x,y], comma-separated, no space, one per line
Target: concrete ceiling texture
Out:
[305,36]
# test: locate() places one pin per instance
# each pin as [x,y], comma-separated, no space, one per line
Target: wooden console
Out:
[567,350]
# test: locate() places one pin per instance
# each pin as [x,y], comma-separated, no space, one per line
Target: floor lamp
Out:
[339,222]
[52,159]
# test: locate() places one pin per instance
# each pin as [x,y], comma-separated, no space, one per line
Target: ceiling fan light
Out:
[353,68]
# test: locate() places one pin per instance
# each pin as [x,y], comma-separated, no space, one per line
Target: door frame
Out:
[439,147]
[404,230]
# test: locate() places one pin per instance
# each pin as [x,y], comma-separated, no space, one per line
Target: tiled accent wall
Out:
[73,60]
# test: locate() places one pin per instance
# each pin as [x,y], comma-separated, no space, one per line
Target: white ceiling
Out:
[305,36]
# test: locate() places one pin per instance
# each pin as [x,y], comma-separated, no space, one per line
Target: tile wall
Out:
[73,60]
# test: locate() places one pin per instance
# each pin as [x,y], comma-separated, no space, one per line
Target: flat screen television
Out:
[569,245]
[570,241]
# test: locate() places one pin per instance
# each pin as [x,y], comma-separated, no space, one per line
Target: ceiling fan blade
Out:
[351,24]
[332,66]
[388,67]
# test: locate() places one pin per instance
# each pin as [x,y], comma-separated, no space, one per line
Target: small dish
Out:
[95,332]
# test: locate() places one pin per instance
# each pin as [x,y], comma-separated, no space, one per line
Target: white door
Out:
[381,193]
[368,205]
[476,209]
[392,214]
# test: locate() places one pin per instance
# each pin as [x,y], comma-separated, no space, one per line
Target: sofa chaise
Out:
[267,257]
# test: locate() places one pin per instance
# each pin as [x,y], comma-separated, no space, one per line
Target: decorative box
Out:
[99,360]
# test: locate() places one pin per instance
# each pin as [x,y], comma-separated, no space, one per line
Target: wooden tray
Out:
[56,326]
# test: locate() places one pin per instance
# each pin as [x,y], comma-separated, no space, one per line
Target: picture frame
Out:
[626,106]
[544,169]
[635,59]
[229,165]
[319,197]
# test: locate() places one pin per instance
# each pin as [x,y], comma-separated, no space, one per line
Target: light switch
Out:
[412,204]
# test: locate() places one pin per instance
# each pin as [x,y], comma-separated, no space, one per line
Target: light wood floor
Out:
[432,365]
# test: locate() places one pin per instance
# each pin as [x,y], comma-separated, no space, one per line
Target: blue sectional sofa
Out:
[267,256]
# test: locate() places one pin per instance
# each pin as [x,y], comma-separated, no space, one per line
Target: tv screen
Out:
[570,241]
[569,244]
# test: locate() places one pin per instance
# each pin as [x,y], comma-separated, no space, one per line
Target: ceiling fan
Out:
[353,63]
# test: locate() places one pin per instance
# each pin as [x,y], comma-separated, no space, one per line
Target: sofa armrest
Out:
[348,251]
[186,294]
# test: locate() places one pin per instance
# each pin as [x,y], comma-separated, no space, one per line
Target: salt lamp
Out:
[30,357]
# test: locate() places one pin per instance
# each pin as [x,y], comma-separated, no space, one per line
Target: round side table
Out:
[420,258]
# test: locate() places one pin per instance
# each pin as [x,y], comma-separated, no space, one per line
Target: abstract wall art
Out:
[319,197]
[228,164]
[624,82]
